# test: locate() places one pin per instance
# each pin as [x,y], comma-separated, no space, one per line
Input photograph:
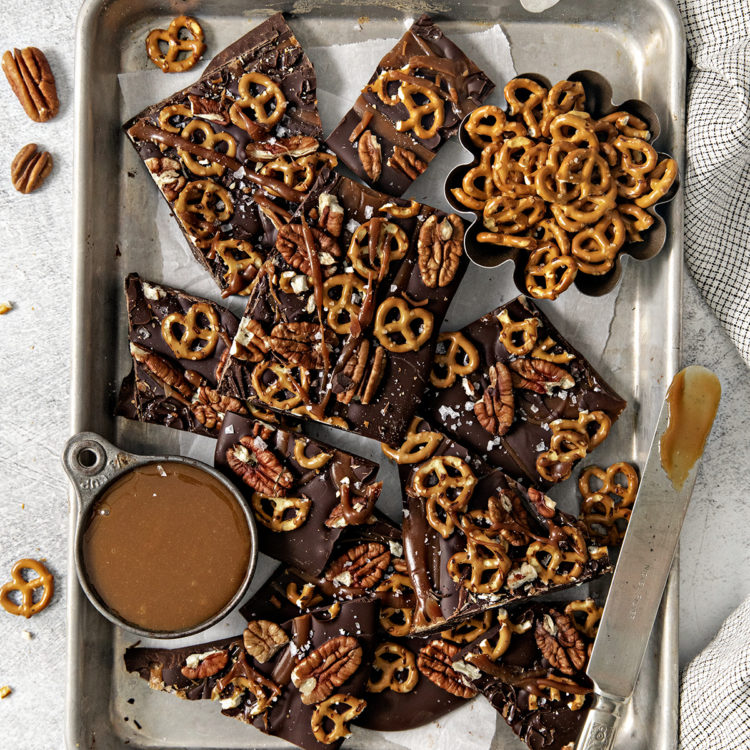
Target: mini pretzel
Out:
[636,220]
[469,630]
[329,711]
[507,173]
[169,61]
[398,334]
[43,580]
[587,170]
[271,96]
[208,202]
[179,111]
[561,567]
[525,98]
[611,502]
[542,351]
[208,140]
[628,124]
[576,127]
[592,613]
[299,174]
[510,215]
[447,479]
[460,358]
[396,621]
[576,215]
[197,340]
[480,568]
[561,98]
[548,272]
[397,668]
[314,463]
[284,392]
[305,599]
[595,248]
[660,181]
[345,307]
[477,186]
[239,258]
[417,447]
[638,156]
[511,330]
[433,109]
[487,124]
[380,242]
[401,212]
[273,512]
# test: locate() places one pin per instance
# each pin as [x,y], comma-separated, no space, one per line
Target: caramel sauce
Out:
[167,547]
[693,399]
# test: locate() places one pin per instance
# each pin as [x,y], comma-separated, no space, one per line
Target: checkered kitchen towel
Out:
[717,184]
[715,694]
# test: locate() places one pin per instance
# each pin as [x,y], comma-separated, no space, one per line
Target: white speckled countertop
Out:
[35,253]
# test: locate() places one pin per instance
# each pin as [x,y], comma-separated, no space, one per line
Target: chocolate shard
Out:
[178,343]
[348,267]
[512,389]
[412,104]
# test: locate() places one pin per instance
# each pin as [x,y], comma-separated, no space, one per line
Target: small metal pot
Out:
[93,465]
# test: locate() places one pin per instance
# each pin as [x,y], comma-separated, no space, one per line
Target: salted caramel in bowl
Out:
[165,545]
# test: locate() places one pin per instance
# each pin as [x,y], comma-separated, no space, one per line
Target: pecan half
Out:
[347,381]
[370,155]
[212,110]
[258,467]
[330,214]
[435,662]
[407,162]
[440,247]
[163,371]
[291,244]
[211,407]
[263,638]
[299,343]
[360,567]
[294,145]
[31,79]
[560,643]
[539,375]
[200,666]
[167,175]
[495,411]
[30,168]
[326,668]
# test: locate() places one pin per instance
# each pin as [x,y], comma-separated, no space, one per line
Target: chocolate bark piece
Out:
[234,153]
[414,101]
[304,493]
[476,541]
[511,388]
[531,666]
[179,344]
[343,331]
[275,695]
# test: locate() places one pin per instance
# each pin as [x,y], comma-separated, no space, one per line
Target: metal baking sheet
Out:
[638,46]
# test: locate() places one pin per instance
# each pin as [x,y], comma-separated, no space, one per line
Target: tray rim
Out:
[668,619]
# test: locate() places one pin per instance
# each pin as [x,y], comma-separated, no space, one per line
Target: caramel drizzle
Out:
[317,277]
[361,126]
[301,631]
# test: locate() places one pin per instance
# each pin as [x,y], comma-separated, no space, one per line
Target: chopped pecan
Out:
[435,662]
[258,467]
[199,666]
[544,505]
[211,407]
[293,145]
[326,668]
[291,244]
[360,567]
[370,155]
[250,342]
[209,109]
[29,168]
[407,161]
[31,79]
[163,371]
[263,638]
[560,643]
[495,411]
[299,343]
[167,175]
[440,247]
[330,214]
[348,379]
[336,518]
[539,375]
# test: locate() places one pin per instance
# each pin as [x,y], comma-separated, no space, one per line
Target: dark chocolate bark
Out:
[515,353]
[268,693]
[476,541]
[531,666]
[343,331]
[301,510]
[234,153]
[414,101]
[179,344]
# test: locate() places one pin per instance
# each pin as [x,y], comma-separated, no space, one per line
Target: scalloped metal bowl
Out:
[598,103]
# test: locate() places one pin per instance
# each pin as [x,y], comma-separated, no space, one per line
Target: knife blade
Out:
[648,550]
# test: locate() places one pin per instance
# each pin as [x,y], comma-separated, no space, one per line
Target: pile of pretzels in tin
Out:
[565,190]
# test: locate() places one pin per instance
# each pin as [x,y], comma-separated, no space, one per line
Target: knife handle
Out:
[600,727]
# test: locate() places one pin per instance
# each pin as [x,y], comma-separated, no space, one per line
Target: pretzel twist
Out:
[461,358]
[398,334]
[170,61]
[197,340]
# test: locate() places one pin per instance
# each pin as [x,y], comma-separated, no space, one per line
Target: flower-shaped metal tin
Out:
[599,103]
